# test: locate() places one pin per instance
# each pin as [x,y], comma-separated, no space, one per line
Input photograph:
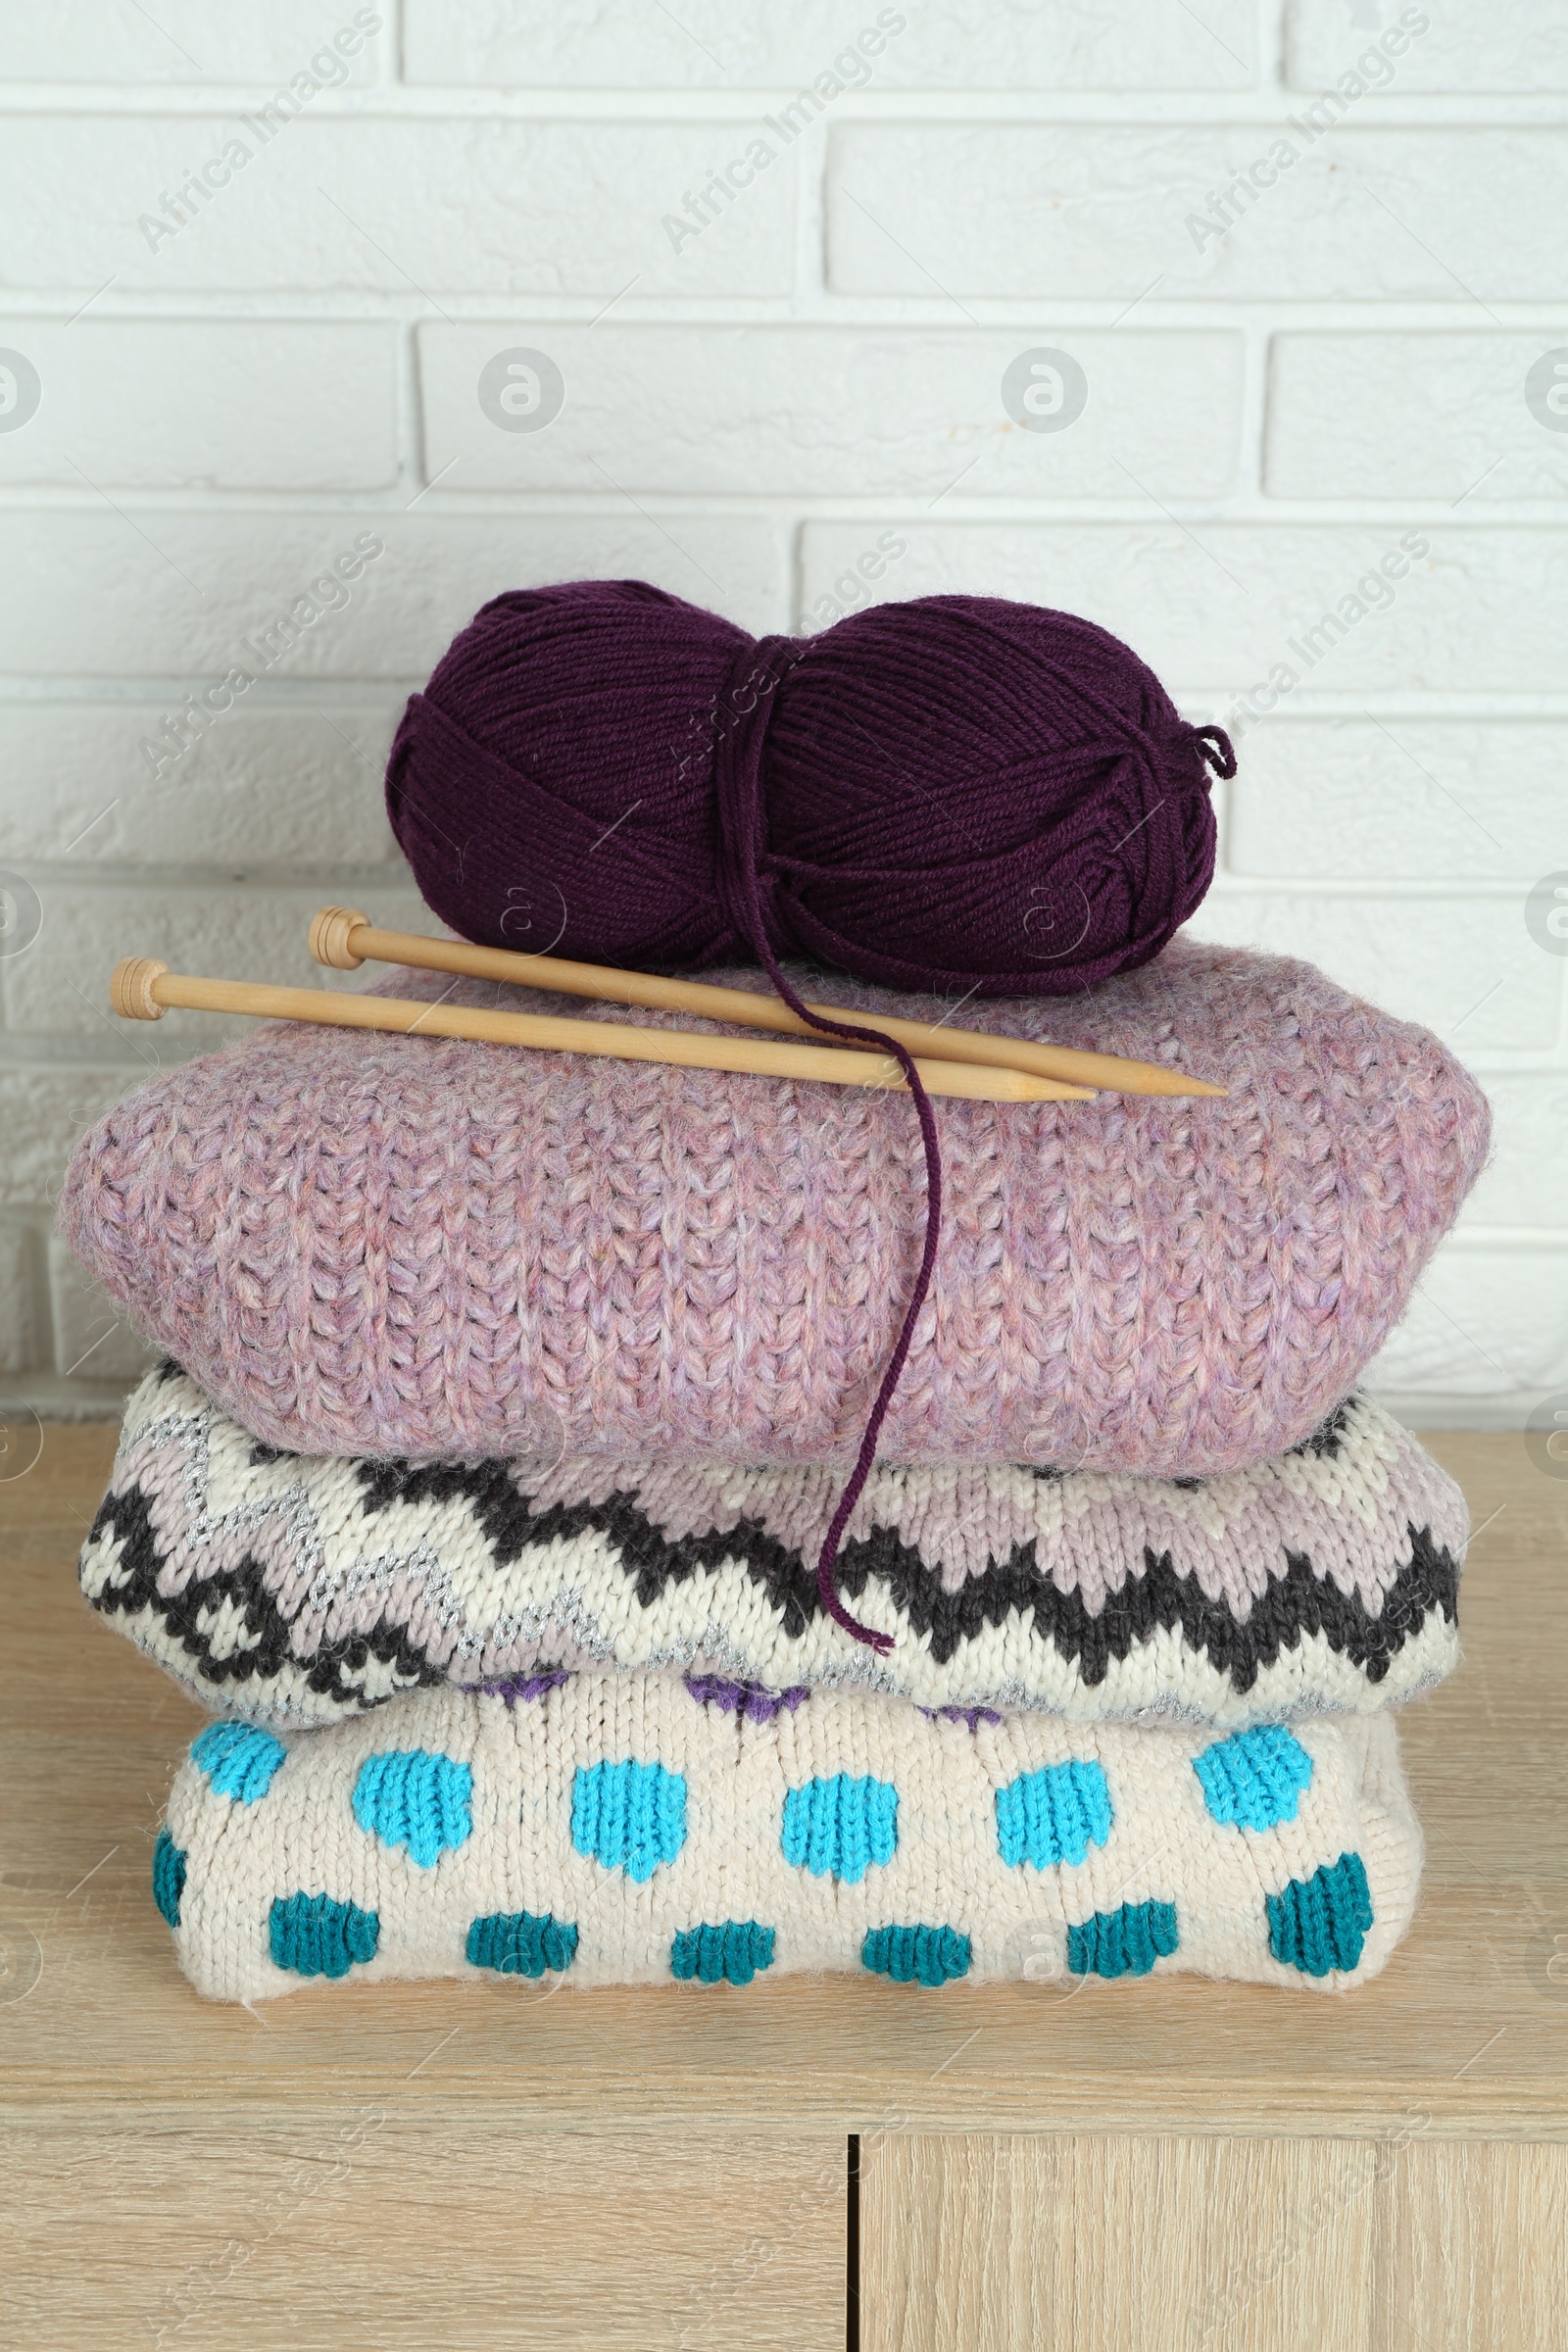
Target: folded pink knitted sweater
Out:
[363,1243]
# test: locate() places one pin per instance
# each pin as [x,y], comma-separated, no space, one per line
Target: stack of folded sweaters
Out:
[508,1397]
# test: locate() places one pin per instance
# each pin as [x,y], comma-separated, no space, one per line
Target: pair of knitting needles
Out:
[950,1062]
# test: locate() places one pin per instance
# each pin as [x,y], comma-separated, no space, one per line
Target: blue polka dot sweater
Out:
[632,1827]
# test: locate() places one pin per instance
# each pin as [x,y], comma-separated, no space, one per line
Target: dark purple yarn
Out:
[753,1700]
[956,794]
[517,1688]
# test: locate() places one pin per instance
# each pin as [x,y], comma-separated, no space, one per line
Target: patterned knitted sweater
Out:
[406,1246]
[630,1829]
[293,1588]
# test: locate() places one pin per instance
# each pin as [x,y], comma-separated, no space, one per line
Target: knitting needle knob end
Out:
[331,930]
[130,987]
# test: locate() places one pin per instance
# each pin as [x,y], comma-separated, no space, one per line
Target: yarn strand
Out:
[741,822]
[826,1584]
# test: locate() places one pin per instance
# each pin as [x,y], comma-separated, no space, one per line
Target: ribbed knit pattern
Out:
[315,1936]
[848,1832]
[1314,1923]
[298,1588]
[1127,1941]
[518,1943]
[414,1799]
[239,1760]
[729,1954]
[410,1247]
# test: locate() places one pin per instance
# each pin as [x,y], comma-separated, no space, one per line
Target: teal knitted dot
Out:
[1054,1814]
[238,1759]
[1125,1942]
[838,1828]
[1253,1779]
[168,1876]
[1320,1923]
[315,1935]
[916,1955]
[729,1953]
[628,1816]
[413,1798]
[522,1944]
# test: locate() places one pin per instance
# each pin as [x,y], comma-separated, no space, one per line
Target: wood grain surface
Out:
[1243,2245]
[352,2229]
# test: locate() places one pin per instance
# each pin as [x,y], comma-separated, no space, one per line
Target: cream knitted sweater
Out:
[632,1828]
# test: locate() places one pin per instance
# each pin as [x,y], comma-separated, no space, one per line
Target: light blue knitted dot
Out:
[837,1828]
[1253,1779]
[1054,1814]
[410,1796]
[628,1816]
[238,1759]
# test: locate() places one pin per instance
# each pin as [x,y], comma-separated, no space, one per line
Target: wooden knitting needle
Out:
[344,938]
[142,988]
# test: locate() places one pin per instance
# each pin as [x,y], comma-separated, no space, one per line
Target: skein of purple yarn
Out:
[958,793]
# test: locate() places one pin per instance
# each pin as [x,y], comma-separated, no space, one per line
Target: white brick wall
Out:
[718,45]
[1071,210]
[874,413]
[1307,253]
[177,404]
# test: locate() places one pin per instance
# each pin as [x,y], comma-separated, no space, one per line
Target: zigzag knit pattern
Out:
[427,1247]
[629,1829]
[296,1589]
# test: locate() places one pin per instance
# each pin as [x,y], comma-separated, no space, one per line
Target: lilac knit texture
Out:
[373,1245]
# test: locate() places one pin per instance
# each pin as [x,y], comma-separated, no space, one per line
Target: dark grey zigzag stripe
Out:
[128,1517]
[1296,1604]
